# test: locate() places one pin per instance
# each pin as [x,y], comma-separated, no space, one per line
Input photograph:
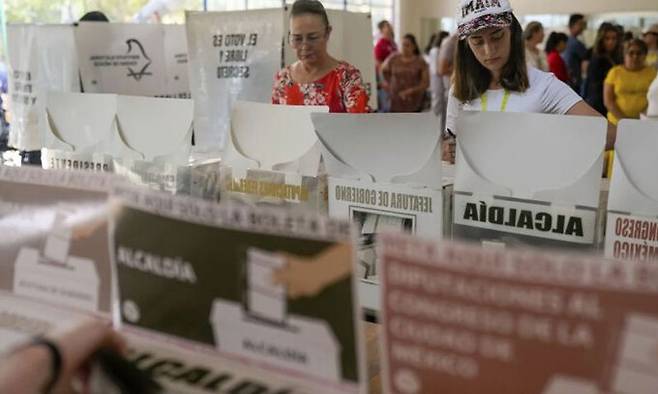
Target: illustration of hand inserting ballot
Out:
[307,277]
[263,326]
[55,275]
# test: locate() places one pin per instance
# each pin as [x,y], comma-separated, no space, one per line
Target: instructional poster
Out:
[233,56]
[459,318]
[513,222]
[41,58]
[55,237]
[126,59]
[227,279]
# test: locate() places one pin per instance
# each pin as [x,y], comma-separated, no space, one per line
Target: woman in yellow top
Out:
[626,86]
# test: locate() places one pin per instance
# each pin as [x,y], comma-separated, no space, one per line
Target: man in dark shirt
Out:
[575,53]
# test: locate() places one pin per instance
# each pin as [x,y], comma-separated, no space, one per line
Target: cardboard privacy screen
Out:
[204,273]
[273,156]
[385,175]
[233,56]
[275,135]
[516,183]
[459,318]
[632,225]
[41,58]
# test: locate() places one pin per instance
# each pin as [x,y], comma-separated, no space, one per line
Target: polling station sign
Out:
[459,318]
[516,222]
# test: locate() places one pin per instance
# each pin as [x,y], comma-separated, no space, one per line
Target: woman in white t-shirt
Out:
[652,97]
[491,72]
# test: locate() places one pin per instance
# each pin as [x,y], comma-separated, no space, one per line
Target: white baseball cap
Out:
[474,15]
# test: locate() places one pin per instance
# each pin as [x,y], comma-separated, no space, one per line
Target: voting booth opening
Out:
[235,204]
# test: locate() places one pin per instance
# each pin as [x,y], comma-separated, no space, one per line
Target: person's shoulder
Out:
[537,76]
[347,67]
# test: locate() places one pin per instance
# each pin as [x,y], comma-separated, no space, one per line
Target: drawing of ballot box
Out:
[636,371]
[73,283]
[304,345]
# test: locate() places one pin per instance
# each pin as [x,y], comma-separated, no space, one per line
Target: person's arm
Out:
[308,276]
[583,109]
[610,101]
[29,369]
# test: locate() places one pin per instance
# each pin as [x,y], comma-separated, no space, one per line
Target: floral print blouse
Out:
[342,90]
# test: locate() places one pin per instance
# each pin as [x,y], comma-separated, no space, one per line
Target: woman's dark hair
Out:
[94,16]
[554,40]
[575,18]
[639,44]
[430,44]
[439,38]
[599,43]
[313,7]
[413,41]
[471,78]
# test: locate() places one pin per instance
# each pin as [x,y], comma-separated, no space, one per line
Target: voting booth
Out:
[41,58]
[632,222]
[235,55]
[273,157]
[133,59]
[528,179]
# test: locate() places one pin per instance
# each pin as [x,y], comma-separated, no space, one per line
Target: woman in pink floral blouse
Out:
[317,78]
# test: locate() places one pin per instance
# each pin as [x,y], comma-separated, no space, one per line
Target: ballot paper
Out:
[265,299]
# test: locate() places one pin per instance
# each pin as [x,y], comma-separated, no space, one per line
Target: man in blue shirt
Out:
[575,53]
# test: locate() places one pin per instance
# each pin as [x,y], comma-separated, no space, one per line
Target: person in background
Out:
[555,45]
[407,75]
[428,47]
[650,37]
[533,35]
[94,16]
[4,125]
[445,68]
[491,74]
[384,48]
[652,98]
[575,52]
[316,78]
[627,85]
[606,53]
[436,81]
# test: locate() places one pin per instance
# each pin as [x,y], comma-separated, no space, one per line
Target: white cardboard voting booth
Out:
[41,58]
[528,179]
[632,225]
[384,175]
[146,139]
[122,58]
[274,156]
[233,56]
[351,41]
[77,131]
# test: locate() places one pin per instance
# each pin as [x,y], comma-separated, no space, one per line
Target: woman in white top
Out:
[491,72]
[533,35]
[652,97]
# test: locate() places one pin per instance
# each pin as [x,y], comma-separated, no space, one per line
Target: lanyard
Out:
[503,106]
